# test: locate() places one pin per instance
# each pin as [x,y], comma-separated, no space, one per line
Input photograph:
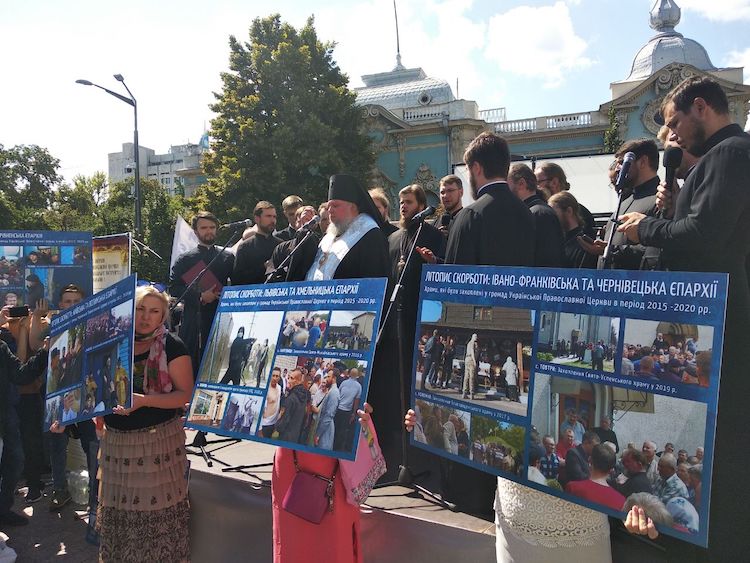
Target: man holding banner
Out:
[201,301]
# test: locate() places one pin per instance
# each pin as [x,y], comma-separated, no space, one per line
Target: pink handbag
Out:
[309,495]
[359,476]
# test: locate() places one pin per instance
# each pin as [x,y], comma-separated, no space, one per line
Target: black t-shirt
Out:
[147,416]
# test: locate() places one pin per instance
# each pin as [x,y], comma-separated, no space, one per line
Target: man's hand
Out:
[638,523]
[42,309]
[596,248]
[209,296]
[664,198]
[629,225]
[426,254]
[4,315]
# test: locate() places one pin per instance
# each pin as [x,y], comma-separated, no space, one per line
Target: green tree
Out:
[286,122]
[77,208]
[612,140]
[28,178]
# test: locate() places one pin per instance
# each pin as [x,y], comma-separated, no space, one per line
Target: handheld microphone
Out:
[445,219]
[236,224]
[422,215]
[671,160]
[627,162]
[310,224]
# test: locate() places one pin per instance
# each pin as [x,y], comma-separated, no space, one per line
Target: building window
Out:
[482,313]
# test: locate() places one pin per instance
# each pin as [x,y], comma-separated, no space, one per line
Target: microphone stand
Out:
[244,468]
[200,442]
[607,257]
[406,477]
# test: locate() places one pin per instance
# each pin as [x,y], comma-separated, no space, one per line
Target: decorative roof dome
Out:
[667,46]
[403,88]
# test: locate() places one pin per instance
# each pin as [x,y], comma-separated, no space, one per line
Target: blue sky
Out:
[534,58]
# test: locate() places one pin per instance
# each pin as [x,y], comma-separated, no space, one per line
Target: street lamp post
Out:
[130,101]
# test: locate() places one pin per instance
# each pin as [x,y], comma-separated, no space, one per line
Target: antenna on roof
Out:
[399,66]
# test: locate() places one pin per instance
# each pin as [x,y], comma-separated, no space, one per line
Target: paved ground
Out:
[49,536]
[481,399]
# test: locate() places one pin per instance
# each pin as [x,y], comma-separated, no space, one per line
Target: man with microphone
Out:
[254,252]
[201,301]
[451,195]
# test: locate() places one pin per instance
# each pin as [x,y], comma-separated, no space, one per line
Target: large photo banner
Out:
[36,265]
[111,260]
[289,364]
[90,364]
[592,386]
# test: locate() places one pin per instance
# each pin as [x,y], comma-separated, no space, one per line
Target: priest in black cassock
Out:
[254,252]
[299,251]
[496,230]
[201,301]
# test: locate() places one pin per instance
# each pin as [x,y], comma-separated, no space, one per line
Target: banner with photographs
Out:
[89,371]
[111,261]
[36,265]
[588,385]
[289,364]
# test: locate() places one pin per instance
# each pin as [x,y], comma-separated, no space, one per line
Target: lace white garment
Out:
[542,519]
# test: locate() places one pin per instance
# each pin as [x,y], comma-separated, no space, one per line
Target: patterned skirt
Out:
[143,512]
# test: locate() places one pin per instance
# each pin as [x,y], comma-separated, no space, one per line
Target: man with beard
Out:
[304,254]
[412,201]
[709,233]
[451,194]
[202,299]
[254,252]
[294,409]
[549,234]
[237,359]
[639,189]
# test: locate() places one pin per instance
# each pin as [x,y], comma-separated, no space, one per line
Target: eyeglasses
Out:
[160,287]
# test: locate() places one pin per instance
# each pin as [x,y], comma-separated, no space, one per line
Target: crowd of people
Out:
[664,363]
[303,330]
[509,224]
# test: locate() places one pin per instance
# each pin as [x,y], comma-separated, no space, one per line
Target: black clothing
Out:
[299,262]
[437,222]
[549,235]
[573,255]
[497,230]
[637,483]
[250,262]
[709,233]
[238,353]
[607,436]
[15,372]
[577,464]
[388,228]
[589,225]
[626,255]
[148,416]
[193,310]
[285,234]
[291,422]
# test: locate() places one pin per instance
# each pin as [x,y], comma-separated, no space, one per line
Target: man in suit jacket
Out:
[577,459]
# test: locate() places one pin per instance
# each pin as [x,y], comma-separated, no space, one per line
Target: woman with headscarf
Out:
[470,366]
[511,378]
[144,511]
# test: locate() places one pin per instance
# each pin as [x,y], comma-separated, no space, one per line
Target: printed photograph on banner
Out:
[497,444]
[104,374]
[11,297]
[44,255]
[578,340]
[242,413]
[11,266]
[66,359]
[71,405]
[208,407]
[350,330]
[320,400]
[444,428]
[305,329]
[241,348]
[478,354]
[52,411]
[666,352]
[610,445]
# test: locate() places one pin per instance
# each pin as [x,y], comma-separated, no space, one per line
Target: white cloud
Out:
[740,58]
[541,42]
[719,10]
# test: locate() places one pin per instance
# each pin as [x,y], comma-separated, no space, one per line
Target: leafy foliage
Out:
[612,140]
[286,122]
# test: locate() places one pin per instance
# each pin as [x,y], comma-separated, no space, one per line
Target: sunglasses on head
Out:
[160,287]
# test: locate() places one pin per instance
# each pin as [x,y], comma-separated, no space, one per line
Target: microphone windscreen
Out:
[672,157]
